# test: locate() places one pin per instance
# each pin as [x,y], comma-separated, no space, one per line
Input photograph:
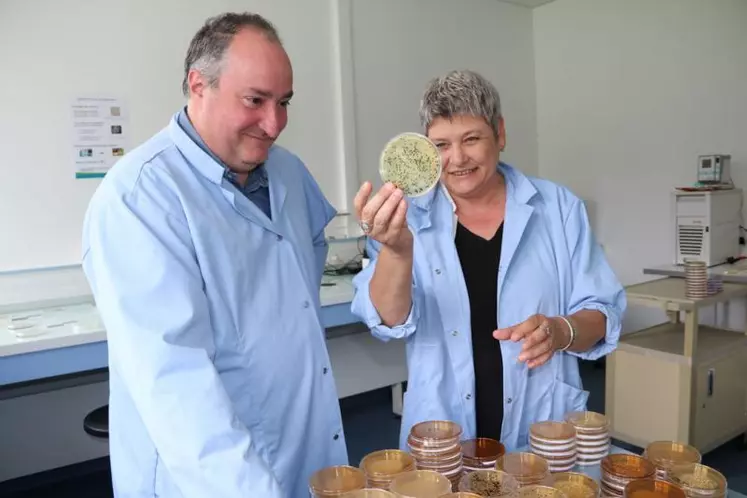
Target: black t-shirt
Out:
[480,260]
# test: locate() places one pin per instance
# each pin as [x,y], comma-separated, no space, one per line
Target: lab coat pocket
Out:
[567,398]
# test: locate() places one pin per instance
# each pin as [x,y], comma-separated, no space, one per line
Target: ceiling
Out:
[528,3]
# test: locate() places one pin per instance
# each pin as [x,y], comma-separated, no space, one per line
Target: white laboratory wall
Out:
[52,51]
[629,93]
[399,45]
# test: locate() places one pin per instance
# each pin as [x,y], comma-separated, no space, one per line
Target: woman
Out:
[494,279]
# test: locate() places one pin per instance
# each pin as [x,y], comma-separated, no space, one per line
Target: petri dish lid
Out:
[435,430]
[411,162]
[334,481]
[703,480]
[540,491]
[552,431]
[665,454]
[420,484]
[588,421]
[490,483]
[652,488]
[523,465]
[576,485]
[385,463]
[460,494]
[482,449]
[628,466]
[369,493]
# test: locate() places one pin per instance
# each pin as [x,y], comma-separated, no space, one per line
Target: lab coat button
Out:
[324,370]
[336,437]
[455,333]
[509,400]
[279,237]
[438,271]
[306,304]
[469,396]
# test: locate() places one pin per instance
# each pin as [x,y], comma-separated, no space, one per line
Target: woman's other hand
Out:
[542,336]
[383,217]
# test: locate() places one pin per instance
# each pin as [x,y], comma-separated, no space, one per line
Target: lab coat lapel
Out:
[519,191]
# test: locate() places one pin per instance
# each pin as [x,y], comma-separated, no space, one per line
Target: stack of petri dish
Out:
[460,494]
[652,488]
[666,454]
[489,483]
[698,481]
[576,485]
[369,493]
[696,279]
[620,469]
[539,491]
[420,484]
[481,453]
[526,468]
[382,466]
[556,443]
[435,446]
[334,482]
[592,437]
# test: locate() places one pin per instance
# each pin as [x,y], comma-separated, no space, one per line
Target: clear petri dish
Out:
[411,162]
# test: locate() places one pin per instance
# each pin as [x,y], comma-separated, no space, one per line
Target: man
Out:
[205,248]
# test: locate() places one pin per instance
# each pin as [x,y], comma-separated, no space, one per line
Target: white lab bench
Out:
[53,361]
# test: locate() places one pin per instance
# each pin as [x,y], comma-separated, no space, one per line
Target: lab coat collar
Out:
[198,158]
[519,191]
[214,172]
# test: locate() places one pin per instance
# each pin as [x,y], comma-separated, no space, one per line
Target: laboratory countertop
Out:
[52,325]
[735,273]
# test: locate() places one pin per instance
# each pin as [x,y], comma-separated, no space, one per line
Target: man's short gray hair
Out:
[460,93]
[208,46]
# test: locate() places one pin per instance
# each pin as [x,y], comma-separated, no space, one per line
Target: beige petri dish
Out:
[411,162]
[334,481]
[420,484]
[576,485]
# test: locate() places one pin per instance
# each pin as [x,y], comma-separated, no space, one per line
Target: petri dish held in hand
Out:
[411,162]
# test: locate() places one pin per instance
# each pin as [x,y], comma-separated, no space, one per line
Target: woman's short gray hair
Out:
[209,44]
[460,93]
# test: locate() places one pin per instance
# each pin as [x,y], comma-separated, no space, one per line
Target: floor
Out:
[369,425]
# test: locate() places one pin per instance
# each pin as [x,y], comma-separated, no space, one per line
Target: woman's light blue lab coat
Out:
[221,385]
[550,264]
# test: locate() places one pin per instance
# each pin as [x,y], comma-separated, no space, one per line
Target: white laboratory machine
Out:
[706,225]
[715,169]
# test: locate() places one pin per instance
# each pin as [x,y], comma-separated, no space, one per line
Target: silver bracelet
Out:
[573,333]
